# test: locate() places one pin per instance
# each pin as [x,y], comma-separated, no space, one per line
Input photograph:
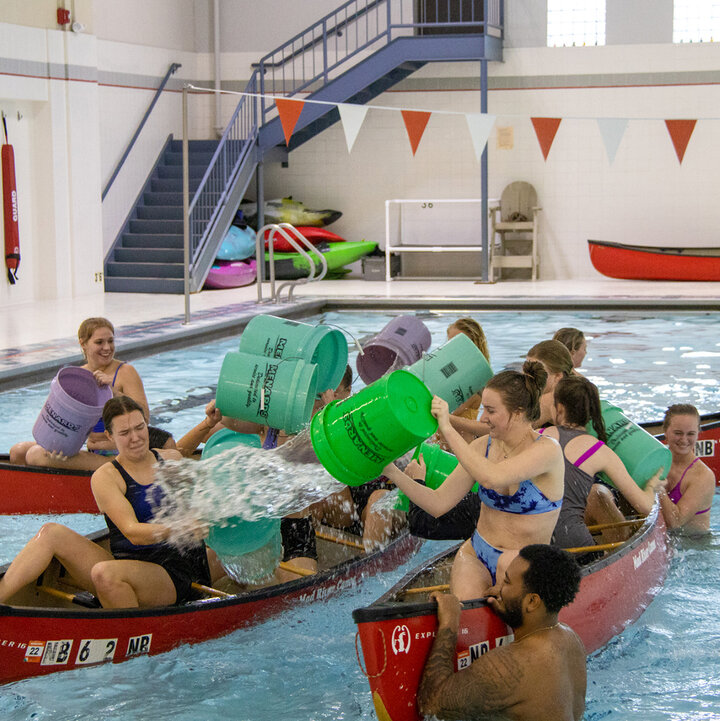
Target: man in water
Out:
[538,677]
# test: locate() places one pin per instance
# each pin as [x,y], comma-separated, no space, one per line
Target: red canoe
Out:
[396,632]
[638,262]
[44,630]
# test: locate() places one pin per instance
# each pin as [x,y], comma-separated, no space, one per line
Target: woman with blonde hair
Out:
[556,360]
[574,340]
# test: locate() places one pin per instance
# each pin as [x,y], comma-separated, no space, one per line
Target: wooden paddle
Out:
[296,569]
[339,539]
[617,524]
[208,591]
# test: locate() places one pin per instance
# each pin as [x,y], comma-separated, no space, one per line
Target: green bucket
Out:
[439,465]
[356,438]
[275,393]
[642,454]
[236,536]
[456,371]
[275,337]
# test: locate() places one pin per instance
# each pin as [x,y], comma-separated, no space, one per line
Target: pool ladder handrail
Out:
[297,240]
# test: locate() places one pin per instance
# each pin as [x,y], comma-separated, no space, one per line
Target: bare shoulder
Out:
[106,475]
[480,444]
[702,473]
[169,454]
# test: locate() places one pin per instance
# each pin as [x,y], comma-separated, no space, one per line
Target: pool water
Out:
[302,665]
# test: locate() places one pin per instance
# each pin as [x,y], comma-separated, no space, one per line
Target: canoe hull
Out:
[634,262]
[397,638]
[38,641]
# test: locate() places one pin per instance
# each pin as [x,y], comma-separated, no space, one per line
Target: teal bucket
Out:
[274,337]
[642,454]
[236,536]
[456,371]
[274,393]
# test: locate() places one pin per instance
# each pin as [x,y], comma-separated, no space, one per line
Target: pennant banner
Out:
[289,112]
[680,132]
[352,118]
[480,126]
[545,129]
[415,122]
[612,131]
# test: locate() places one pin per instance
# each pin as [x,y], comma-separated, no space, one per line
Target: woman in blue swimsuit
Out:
[519,473]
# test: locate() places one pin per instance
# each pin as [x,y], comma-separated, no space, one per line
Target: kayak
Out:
[637,262]
[291,266]
[52,625]
[287,210]
[396,632]
[312,235]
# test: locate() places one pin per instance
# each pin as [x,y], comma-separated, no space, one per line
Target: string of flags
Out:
[480,125]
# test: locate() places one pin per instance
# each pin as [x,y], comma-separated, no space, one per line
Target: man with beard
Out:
[541,676]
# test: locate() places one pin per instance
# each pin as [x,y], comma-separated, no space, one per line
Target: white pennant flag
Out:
[612,131]
[480,125]
[352,117]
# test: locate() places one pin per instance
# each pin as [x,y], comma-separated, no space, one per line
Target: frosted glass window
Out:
[575,22]
[696,21]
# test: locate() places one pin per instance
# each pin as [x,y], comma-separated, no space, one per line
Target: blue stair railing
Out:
[309,61]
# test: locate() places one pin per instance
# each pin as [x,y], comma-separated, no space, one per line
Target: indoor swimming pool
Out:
[302,665]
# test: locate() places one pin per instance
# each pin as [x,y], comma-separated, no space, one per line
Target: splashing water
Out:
[244,482]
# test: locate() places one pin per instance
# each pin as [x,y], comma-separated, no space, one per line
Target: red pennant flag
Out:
[415,122]
[680,132]
[289,112]
[545,129]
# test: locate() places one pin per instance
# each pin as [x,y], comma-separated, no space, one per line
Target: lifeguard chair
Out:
[514,230]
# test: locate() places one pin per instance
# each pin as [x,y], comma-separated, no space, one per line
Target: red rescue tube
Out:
[10,210]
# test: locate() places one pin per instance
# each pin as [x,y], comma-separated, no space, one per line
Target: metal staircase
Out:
[350,56]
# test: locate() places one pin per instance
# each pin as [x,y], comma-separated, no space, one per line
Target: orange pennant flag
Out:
[545,129]
[289,112]
[415,122]
[680,132]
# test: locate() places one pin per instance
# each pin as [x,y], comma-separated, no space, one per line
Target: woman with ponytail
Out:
[577,403]
[519,474]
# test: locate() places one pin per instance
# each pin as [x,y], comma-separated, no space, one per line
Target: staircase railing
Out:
[307,62]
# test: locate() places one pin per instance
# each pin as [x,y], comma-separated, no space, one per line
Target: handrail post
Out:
[389,20]
[325,52]
[186,205]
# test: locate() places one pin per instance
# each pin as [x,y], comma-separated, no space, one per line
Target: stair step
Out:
[175,171]
[149,255]
[163,198]
[160,212]
[132,284]
[199,145]
[152,240]
[172,185]
[163,227]
[196,158]
[144,270]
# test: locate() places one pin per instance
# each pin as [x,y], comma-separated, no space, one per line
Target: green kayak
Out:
[290,266]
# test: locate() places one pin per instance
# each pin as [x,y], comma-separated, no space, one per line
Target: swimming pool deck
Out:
[38,338]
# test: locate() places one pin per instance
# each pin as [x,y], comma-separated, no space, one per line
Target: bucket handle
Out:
[357,654]
[355,340]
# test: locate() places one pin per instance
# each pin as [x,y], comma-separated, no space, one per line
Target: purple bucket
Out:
[72,408]
[400,343]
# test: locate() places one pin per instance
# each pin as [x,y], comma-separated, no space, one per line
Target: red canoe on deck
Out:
[638,262]
[396,632]
[45,629]
[48,490]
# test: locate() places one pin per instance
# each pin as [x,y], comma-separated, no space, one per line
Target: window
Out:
[696,21]
[576,22]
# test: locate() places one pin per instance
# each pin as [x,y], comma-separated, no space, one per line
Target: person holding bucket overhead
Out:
[692,484]
[141,569]
[519,475]
[97,341]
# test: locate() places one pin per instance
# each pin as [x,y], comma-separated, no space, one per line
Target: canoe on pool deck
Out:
[25,489]
[45,631]
[291,266]
[396,632]
[638,262]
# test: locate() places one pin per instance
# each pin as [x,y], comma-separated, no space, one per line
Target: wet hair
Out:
[521,391]
[552,573]
[119,406]
[473,330]
[581,401]
[571,338]
[553,355]
[679,409]
[90,325]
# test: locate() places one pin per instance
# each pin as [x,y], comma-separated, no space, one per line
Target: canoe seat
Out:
[514,231]
[81,598]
